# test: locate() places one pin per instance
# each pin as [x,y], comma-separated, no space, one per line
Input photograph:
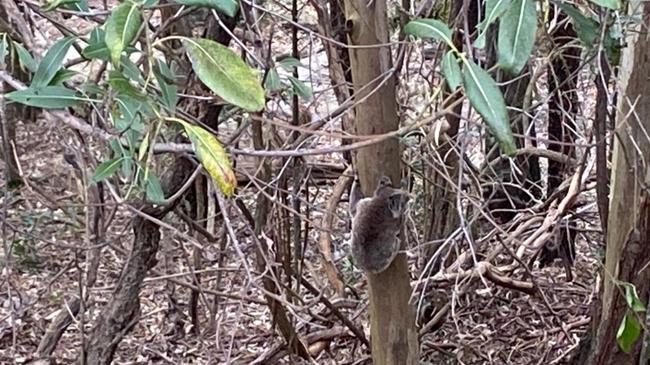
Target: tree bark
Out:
[392,319]
[628,235]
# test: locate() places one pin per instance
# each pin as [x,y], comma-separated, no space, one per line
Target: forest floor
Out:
[44,226]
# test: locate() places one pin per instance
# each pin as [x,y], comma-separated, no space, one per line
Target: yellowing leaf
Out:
[213,157]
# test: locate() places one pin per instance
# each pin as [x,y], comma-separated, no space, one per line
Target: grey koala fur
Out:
[376,224]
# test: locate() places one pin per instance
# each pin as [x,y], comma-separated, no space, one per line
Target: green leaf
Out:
[144,147]
[121,27]
[48,97]
[586,28]
[106,169]
[212,156]
[485,96]
[632,298]
[272,82]
[224,72]
[154,189]
[96,51]
[300,88]
[227,7]
[25,58]
[51,62]
[517,30]
[610,4]
[451,70]
[429,28]
[77,5]
[168,90]
[61,76]
[628,332]
[53,4]
[122,86]
[4,48]
[493,10]
[288,63]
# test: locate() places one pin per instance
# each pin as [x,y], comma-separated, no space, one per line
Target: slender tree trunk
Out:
[628,234]
[392,320]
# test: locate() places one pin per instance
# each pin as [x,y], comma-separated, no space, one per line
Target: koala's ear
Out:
[355,196]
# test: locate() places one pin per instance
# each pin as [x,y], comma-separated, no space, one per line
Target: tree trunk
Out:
[392,319]
[628,235]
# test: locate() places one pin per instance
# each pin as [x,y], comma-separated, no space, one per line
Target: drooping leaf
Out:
[25,57]
[289,63]
[131,70]
[213,157]
[78,5]
[485,96]
[166,81]
[272,82]
[610,4]
[48,97]
[586,28]
[154,189]
[227,7]
[144,147]
[122,86]
[224,72]
[628,332]
[451,70]
[517,29]
[632,298]
[493,10]
[51,62]
[4,47]
[106,169]
[300,88]
[429,28]
[61,76]
[53,4]
[121,27]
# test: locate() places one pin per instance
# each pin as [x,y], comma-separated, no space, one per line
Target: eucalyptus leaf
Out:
[451,70]
[227,7]
[122,86]
[493,10]
[517,29]
[224,72]
[25,57]
[429,28]
[628,332]
[47,97]
[4,48]
[62,76]
[272,82]
[53,4]
[610,4]
[106,169]
[300,88]
[213,157]
[121,27]
[485,96]
[289,63]
[51,62]
[154,189]
[168,90]
[586,28]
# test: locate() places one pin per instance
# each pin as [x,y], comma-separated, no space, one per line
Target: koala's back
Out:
[374,234]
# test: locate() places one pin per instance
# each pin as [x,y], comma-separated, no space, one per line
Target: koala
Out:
[376,224]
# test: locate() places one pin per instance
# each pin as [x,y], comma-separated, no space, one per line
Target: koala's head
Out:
[396,199]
